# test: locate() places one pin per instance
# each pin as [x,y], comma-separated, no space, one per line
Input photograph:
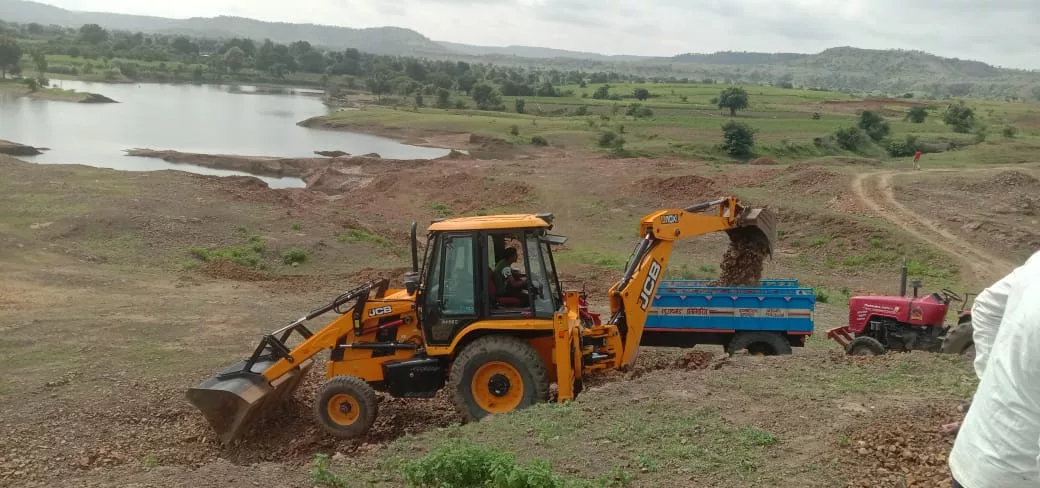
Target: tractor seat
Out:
[501,301]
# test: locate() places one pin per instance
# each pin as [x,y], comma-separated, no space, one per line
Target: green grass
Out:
[359,235]
[249,255]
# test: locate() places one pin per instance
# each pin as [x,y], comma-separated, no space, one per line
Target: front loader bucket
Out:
[758,224]
[235,398]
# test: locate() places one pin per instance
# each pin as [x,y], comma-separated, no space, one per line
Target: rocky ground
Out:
[112,306]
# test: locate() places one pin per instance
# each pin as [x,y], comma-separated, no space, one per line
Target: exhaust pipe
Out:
[902,279]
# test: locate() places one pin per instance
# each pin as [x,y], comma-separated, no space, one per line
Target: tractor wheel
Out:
[865,346]
[959,340]
[760,344]
[346,406]
[497,374]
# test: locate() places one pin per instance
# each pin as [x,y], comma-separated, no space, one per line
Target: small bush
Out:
[906,147]
[582,110]
[245,256]
[514,130]
[539,141]
[917,115]
[1009,132]
[850,138]
[639,111]
[323,476]
[822,296]
[294,256]
[738,139]
[464,465]
[611,140]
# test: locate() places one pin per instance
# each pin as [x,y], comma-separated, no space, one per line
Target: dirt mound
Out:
[813,181]
[479,192]
[1003,181]
[149,424]
[336,180]
[904,449]
[742,263]
[676,190]
[227,270]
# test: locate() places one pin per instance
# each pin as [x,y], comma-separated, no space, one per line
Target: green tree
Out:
[235,58]
[738,139]
[874,125]
[641,94]
[419,102]
[733,98]
[40,60]
[10,56]
[602,93]
[93,34]
[487,98]
[519,105]
[547,90]
[917,115]
[960,117]
[443,98]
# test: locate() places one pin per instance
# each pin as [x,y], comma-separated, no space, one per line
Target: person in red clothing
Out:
[917,159]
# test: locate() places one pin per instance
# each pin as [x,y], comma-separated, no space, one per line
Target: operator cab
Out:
[488,268]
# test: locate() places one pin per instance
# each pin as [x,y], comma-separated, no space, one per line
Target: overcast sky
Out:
[1000,32]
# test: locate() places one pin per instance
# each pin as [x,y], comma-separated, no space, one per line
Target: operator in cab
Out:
[998,443]
[508,280]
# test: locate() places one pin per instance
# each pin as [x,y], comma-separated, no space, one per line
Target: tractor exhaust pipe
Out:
[411,279]
[902,279]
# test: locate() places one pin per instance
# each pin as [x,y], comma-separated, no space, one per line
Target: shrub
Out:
[906,147]
[582,110]
[294,256]
[850,138]
[917,115]
[539,141]
[461,464]
[874,125]
[514,130]
[638,110]
[1010,132]
[738,139]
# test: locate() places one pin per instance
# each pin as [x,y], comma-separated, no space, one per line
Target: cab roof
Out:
[493,222]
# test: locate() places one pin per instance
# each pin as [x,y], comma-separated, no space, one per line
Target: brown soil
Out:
[904,448]
[742,263]
[675,191]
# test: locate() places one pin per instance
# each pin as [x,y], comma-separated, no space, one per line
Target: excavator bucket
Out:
[235,398]
[757,225]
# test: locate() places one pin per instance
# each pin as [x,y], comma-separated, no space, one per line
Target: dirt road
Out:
[875,191]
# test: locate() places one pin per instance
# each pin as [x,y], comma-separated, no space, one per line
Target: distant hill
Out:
[841,68]
[534,52]
[738,58]
[378,40]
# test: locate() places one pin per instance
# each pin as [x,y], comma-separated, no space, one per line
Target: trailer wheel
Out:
[497,374]
[865,346]
[346,406]
[760,344]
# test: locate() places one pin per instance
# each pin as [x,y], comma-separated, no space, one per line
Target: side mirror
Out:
[411,282]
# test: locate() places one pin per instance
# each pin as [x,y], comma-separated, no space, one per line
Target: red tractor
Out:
[878,324]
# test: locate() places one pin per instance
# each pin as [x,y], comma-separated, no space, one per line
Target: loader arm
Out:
[631,297]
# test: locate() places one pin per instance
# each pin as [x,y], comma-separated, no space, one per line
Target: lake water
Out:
[212,119]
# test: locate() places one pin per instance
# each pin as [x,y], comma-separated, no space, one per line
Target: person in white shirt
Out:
[998,443]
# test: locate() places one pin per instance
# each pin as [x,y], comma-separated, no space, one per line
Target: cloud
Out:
[998,31]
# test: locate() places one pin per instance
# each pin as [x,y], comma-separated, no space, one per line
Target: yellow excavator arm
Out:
[631,297]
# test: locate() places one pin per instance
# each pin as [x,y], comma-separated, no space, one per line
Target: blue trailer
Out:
[768,319]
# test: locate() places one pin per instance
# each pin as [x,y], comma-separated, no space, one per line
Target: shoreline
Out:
[53,94]
[412,137]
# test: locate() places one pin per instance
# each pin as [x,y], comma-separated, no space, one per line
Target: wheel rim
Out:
[497,387]
[343,409]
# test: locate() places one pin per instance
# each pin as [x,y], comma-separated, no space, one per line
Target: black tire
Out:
[501,360]
[760,343]
[353,399]
[959,339]
[865,346]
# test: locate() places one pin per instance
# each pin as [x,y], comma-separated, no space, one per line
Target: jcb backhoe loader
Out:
[454,324]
